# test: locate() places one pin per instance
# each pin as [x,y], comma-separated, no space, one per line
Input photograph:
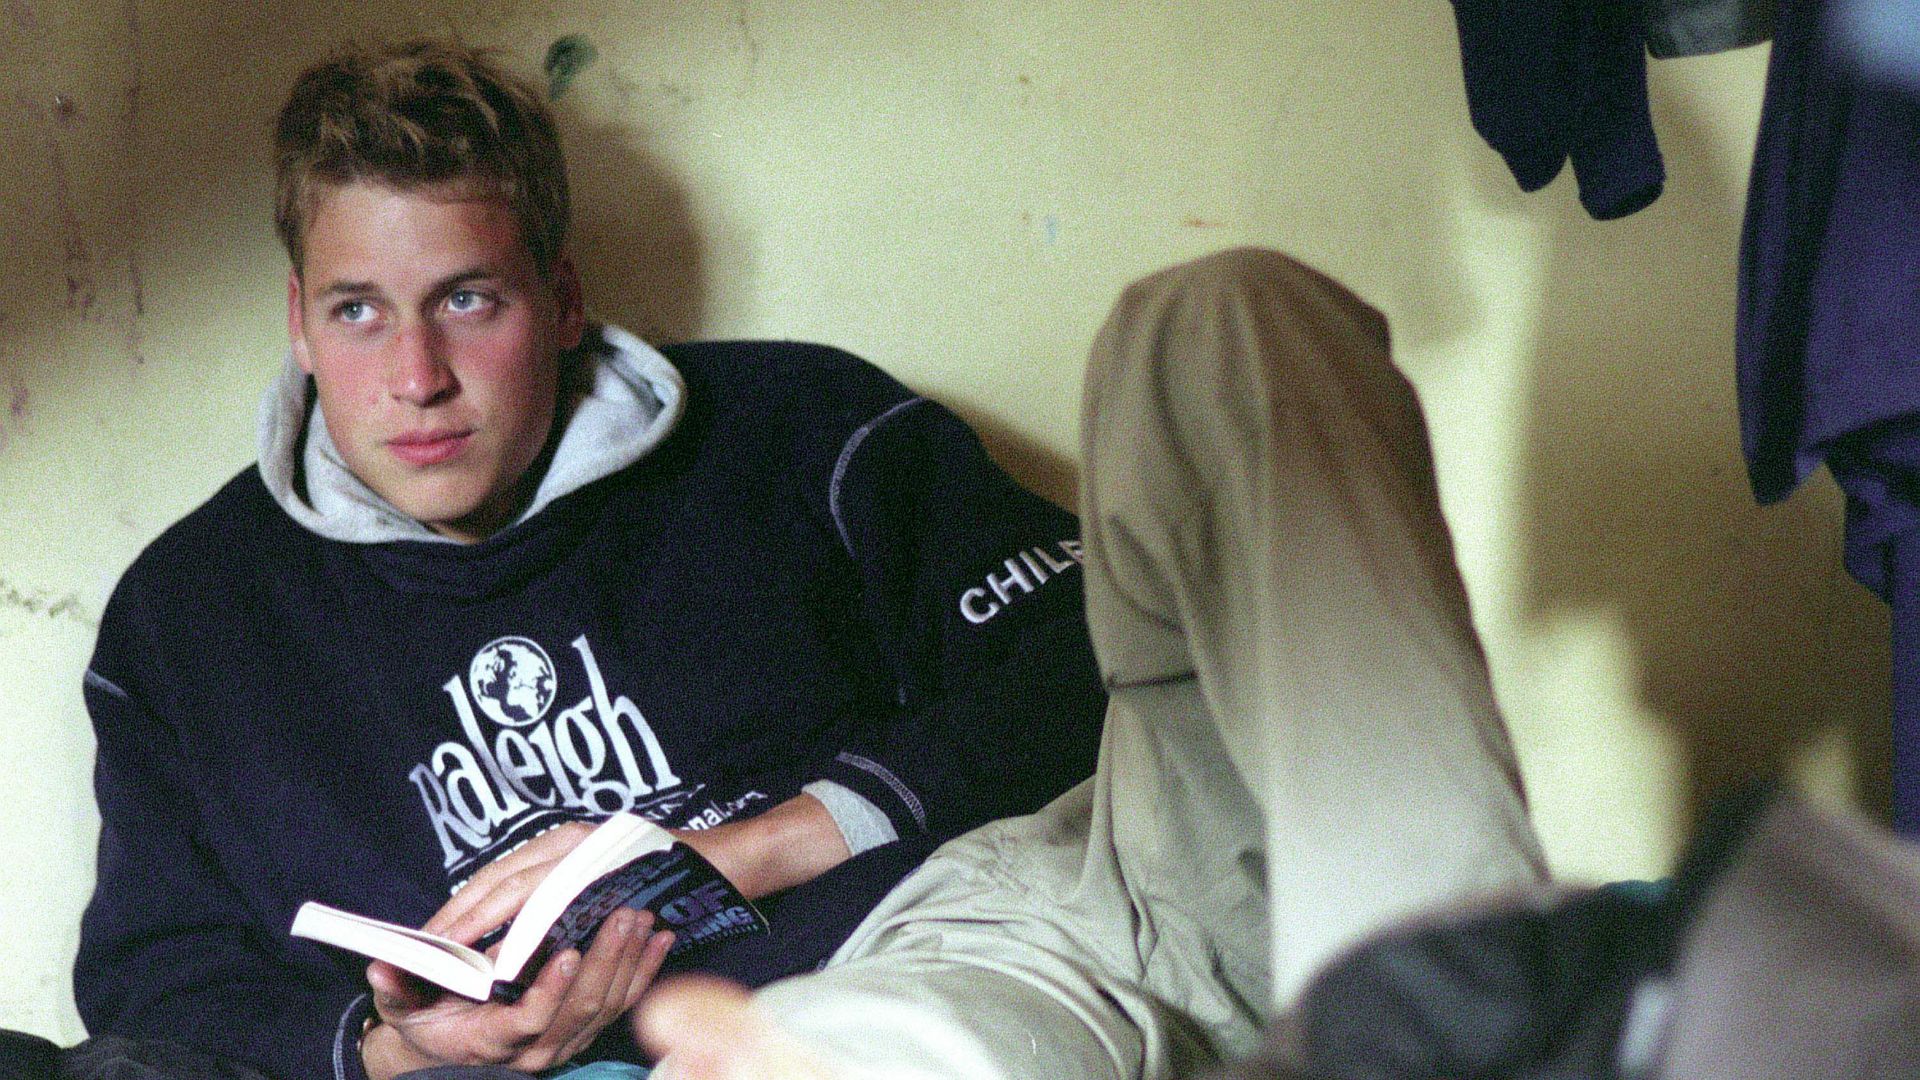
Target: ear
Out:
[570,306]
[297,323]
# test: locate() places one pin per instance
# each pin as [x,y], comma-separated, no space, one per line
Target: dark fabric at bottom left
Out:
[26,1057]
[114,1058]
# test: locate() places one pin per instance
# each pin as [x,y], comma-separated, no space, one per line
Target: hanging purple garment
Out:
[1828,339]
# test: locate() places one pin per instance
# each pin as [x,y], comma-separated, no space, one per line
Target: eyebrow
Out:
[342,289]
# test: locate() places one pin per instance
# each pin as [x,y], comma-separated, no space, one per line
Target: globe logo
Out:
[512,680]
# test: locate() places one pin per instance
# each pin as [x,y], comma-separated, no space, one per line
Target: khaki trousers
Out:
[1301,747]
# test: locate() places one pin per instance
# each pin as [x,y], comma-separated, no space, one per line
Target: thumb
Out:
[395,992]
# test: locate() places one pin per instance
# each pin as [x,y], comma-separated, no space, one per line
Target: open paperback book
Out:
[627,861]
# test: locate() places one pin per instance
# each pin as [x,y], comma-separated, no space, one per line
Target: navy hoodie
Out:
[813,576]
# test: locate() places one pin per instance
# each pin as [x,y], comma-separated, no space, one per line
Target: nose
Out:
[419,373]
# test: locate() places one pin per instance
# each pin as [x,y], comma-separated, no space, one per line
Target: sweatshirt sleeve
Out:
[972,586]
[168,949]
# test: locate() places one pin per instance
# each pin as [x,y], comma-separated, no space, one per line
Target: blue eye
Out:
[468,300]
[353,311]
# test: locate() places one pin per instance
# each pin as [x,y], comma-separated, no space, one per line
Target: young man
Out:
[500,572]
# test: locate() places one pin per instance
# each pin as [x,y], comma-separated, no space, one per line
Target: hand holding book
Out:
[577,889]
[568,1004]
[624,862]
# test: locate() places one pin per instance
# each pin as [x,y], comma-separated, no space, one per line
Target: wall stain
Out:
[16,407]
[40,603]
[632,93]
[76,255]
[1203,223]
[136,270]
[139,285]
[65,110]
[567,57]
[743,18]
[136,276]
[82,289]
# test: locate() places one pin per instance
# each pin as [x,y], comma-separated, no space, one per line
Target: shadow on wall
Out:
[1039,468]
[1749,640]
[639,252]
[634,236]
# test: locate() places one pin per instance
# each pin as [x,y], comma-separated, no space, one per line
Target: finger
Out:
[651,958]
[532,1015]
[582,1011]
[633,951]
[502,902]
[457,904]
[548,847]
[585,1014]
[568,1012]
[483,881]
[608,960]
[507,888]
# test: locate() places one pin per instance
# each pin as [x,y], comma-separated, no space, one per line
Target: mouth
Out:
[421,448]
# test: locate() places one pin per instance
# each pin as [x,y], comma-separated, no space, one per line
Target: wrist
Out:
[385,1052]
[789,845]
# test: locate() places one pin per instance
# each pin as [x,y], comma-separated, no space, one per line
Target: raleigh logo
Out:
[582,758]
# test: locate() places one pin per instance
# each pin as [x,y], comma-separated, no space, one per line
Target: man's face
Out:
[434,344]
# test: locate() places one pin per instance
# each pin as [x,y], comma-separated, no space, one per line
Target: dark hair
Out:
[420,114]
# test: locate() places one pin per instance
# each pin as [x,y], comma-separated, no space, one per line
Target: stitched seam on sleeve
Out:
[846,457]
[101,682]
[885,776]
[340,1039]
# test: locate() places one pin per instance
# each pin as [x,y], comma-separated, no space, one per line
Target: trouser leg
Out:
[1012,955]
[923,1015]
[1259,509]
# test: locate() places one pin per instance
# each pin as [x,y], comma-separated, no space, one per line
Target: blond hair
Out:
[420,114]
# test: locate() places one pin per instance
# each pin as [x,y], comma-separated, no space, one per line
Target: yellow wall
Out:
[956,189]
